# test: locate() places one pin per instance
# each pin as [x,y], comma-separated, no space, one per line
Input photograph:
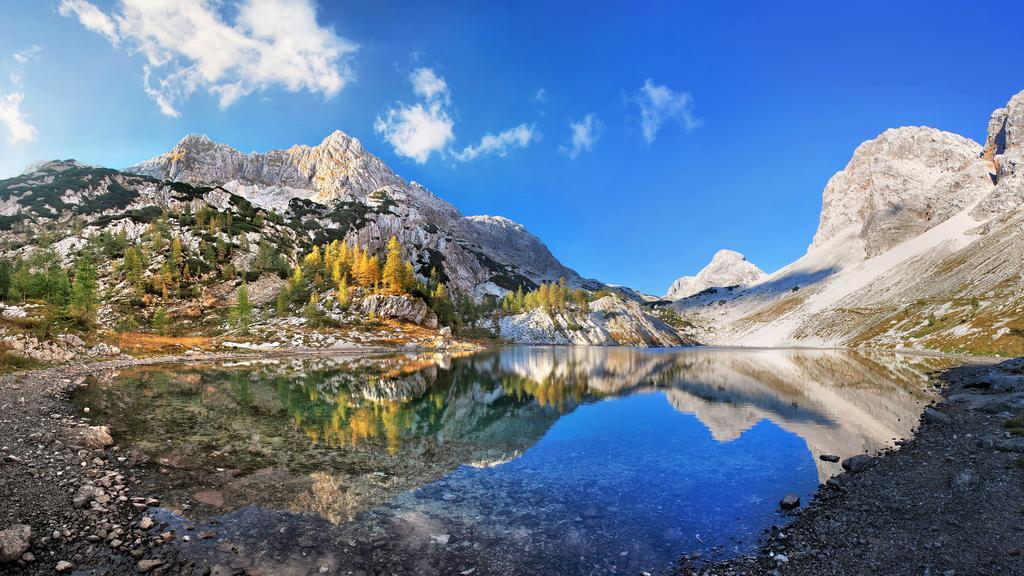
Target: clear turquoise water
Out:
[519,460]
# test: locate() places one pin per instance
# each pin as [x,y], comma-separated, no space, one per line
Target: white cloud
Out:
[28,54]
[14,120]
[188,46]
[428,85]
[517,137]
[416,131]
[541,95]
[658,104]
[582,136]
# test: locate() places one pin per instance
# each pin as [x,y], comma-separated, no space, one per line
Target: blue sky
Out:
[698,125]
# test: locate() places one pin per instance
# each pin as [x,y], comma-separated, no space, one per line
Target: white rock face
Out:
[727,268]
[479,255]
[610,321]
[900,184]
[919,246]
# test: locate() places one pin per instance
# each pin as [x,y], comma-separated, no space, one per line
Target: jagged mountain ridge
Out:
[478,254]
[918,246]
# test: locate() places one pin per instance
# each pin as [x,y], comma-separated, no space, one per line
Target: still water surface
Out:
[517,460]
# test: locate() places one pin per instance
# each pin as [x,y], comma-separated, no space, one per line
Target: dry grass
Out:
[144,343]
[772,312]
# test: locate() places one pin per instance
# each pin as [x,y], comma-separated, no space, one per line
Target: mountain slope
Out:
[478,255]
[919,246]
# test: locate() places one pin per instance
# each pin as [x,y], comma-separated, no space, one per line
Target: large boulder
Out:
[397,307]
[14,542]
[91,437]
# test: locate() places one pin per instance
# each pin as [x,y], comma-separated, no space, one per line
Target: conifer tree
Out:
[84,299]
[344,299]
[159,322]
[240,315]
[282,301]
[393,276]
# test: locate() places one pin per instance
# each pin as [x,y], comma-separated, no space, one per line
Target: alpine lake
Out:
[514,460]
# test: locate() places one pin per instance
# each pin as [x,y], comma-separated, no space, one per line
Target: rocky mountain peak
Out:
[727,268]
[900,184]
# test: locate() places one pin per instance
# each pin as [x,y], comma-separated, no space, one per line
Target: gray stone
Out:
[965,481]
[85,494]
[14,542]
[829,457]
[935,417]
[858,463]
[64,566]
[789,501]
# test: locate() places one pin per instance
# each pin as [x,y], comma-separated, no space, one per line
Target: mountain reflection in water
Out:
[556,458]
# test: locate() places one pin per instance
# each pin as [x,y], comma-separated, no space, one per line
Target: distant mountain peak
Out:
[727,268]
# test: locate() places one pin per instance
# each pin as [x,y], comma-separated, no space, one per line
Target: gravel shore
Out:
[948,501]
[69,500]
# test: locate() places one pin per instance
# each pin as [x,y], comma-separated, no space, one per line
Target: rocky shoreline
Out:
[69,498]
[948,501]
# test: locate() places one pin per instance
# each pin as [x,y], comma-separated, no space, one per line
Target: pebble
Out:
[64,566]
[144,566]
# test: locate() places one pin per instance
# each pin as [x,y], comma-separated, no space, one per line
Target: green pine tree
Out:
[84,290]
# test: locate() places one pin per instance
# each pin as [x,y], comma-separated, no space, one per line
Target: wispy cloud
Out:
[418,130]
[582,136]
[659,104]
[499,144]
[14,121]
[188,46]
[28,54]
[541,95]
[91,17]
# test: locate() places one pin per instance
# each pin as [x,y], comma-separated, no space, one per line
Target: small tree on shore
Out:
[84,288]
[240,315]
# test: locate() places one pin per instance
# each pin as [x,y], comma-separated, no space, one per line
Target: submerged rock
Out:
[789,501]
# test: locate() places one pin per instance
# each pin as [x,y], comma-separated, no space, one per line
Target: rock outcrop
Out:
[405,308]
[900,184]
[727,268]
[609,321]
